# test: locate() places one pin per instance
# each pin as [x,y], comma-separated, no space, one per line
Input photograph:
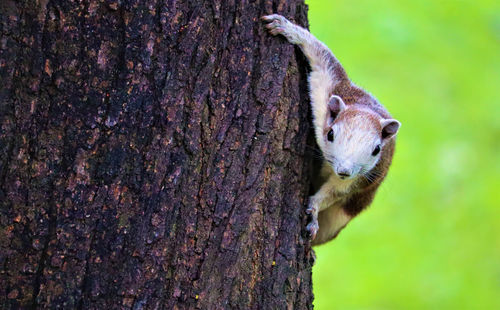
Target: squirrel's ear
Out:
[390,128]
[335,106]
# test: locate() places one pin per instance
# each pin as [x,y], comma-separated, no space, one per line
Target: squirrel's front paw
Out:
[312,210]
[277,23]
[313,227]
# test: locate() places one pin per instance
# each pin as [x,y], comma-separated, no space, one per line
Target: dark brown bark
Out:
[151,156]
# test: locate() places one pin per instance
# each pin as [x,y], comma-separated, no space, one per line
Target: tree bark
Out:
[152,156]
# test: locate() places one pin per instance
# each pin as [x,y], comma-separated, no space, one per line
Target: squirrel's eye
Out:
[376,150]
[329,136]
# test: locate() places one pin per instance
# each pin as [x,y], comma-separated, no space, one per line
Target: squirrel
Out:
[355,133]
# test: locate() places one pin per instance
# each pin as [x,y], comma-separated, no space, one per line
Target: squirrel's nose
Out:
[344,174]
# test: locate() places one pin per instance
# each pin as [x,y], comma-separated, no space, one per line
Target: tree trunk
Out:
[152,156]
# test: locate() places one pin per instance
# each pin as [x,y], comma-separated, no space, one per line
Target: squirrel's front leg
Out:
[326,71]
[318,54]
[320,201]
[313,210]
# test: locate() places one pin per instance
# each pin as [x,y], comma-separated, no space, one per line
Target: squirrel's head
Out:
[354,138]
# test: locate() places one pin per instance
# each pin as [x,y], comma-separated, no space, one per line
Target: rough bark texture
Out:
[151,156]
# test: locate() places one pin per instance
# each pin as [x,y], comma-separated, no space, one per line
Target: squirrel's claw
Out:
[275,23]
[311,210]
[272,17]
[312,228]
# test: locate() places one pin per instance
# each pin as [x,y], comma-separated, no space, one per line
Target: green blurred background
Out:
[431,239]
